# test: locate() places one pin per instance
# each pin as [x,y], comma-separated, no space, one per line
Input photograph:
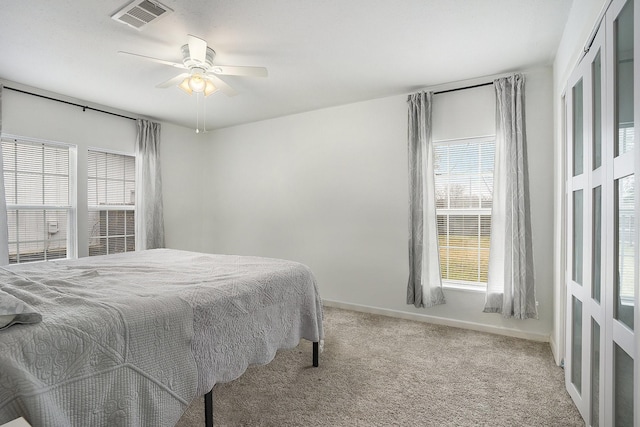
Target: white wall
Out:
[329,188]
[29,116]
[464,114]
[582,20]
[183,169]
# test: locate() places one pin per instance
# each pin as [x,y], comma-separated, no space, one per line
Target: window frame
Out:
[71,207]
[458,283]
[107,208]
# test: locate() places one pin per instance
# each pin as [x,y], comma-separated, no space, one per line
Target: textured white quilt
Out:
[131,339]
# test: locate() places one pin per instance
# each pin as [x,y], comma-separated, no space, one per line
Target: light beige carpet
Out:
[381,371]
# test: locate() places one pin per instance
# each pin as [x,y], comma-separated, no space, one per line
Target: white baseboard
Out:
[533,336]
[555,351]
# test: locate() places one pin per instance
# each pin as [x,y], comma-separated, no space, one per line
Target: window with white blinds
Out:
[40,208]
[111,199]
[464,194]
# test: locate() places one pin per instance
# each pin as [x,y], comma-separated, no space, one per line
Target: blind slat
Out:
[111,179]
[36,177]
[110,184]
[464,191]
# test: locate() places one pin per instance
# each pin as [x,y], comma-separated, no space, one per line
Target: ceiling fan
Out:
[201,74]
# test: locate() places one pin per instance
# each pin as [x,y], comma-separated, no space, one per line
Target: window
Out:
[41,222]
[464,188]
[111,200]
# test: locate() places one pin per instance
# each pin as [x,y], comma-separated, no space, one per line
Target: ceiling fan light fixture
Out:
[197,83]
[209,87]
[185,86]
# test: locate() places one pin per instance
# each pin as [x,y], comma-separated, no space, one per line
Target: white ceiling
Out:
[319,53]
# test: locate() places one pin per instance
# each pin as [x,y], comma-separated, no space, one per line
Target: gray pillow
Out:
[14,310]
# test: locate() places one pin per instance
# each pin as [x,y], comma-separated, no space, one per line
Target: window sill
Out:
[461,286]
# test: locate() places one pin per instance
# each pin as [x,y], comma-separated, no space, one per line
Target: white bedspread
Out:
[131,339]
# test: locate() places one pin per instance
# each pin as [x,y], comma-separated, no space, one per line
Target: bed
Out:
[133,338]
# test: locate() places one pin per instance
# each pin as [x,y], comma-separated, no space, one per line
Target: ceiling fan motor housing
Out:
[189,62]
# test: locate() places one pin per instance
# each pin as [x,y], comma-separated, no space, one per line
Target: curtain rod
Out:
[462,88]
[84,107]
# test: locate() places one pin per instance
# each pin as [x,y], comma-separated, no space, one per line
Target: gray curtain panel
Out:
[149,210]
[4,233]
[425,284]
[511,285]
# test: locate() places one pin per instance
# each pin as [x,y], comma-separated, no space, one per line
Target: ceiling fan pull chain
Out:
[197,113]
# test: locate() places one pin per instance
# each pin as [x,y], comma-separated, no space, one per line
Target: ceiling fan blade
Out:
[220,84]
[174,81]
[197,49]
[149,58]
[229,70]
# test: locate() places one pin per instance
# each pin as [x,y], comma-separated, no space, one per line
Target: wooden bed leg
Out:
[315,354]
[208,409]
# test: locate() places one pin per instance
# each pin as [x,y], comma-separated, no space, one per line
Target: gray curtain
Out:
[149,210]
[511,286]
[4,233]
[425,284]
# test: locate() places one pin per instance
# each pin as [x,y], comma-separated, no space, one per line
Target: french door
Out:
[602,363]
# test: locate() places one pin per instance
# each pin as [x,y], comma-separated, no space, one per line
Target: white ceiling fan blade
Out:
[149,58]
[229,70]
[197,49]
[220,84]
[173,81]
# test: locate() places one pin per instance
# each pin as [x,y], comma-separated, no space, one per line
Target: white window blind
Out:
[464,189]
[111,199]
[40,212]
[626,137]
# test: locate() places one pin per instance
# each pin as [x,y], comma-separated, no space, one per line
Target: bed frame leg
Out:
[208,398]
[208,409]
[315,354]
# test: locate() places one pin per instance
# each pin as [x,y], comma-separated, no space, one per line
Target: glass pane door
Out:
[601,366]
[580,230]
[621,164]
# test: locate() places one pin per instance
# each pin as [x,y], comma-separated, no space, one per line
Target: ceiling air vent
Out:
[139,13]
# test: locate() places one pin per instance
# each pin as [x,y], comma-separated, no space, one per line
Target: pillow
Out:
[13,310]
